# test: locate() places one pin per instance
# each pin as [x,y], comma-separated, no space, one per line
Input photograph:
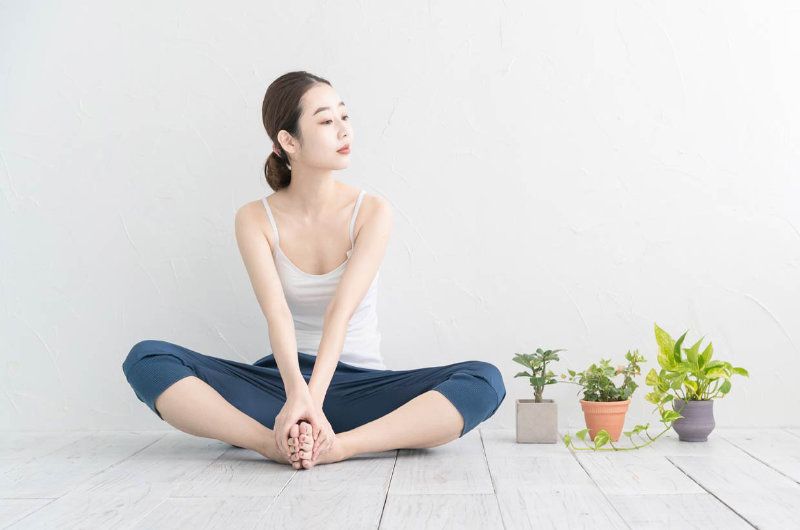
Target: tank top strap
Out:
[355,213]
[271,221]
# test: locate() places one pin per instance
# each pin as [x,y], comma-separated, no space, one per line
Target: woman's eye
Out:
[347,117]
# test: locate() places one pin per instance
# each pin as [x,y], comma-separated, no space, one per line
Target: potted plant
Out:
[537,418]
[691,380]
[604,404]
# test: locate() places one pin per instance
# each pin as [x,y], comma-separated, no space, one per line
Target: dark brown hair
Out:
[281,111]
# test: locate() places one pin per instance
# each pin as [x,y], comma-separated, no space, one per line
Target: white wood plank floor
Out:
[740,478]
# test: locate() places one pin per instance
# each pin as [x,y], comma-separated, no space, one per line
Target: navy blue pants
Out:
[355,396]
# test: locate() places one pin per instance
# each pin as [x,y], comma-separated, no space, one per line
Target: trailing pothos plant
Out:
[602,438]
[539,375]
[688,373]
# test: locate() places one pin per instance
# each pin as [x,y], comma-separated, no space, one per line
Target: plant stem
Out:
[615,448]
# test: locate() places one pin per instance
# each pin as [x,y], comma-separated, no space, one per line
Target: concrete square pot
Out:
[537,422]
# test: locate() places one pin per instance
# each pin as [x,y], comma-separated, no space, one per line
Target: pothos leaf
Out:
[601,438]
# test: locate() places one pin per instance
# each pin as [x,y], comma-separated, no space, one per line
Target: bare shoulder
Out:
[251,212]
[251,216]
[375,209]
[376,205]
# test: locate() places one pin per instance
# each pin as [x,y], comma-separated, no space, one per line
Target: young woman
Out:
[324,394]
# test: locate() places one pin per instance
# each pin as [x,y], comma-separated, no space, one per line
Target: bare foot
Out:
[337,452]
[271,451]
[294,446]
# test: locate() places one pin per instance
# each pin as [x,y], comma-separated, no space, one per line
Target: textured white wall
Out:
[563,174]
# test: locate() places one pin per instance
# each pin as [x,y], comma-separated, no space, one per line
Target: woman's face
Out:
[325,128]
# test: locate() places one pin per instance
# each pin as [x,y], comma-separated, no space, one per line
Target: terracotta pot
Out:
[697,422]
[537,422]
[608,415]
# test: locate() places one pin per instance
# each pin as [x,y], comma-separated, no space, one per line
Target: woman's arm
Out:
[368,252]
[255,250]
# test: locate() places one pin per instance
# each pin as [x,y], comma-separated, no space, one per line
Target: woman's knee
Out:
[153,365]
[141,350]
[491,374]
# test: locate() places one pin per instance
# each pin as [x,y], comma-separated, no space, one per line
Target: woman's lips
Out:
[344,151]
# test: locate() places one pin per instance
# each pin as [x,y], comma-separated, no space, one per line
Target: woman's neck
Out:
[312,195]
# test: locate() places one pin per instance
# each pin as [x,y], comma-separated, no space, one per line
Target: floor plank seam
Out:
[757,459]
[57,448]
[491,478]
[388,488]
[117,463]
[87,478]
[603,493]
[136,522]
[276,497]
[33,512]
[786,429]
[710,492]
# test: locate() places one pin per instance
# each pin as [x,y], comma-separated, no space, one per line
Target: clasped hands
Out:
[302,404]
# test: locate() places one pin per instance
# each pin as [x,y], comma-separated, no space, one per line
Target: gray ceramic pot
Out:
[697,422]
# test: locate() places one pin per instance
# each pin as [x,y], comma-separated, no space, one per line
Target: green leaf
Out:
[665,361]
[653,397]
[524,374]
[677,382]
[664,341]
[693,352]
[713,364]
[705,356]
[716,373]
[567,439]
[725,387]
[669,416]
[741,371]
[582,434]
[601,438]
[676,353]
[521,360]
[652,377]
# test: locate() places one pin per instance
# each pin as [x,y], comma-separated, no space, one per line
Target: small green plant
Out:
[687,373]
[598,386]
[597,380]
[539,375]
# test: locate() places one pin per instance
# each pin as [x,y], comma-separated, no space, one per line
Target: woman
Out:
[324,394]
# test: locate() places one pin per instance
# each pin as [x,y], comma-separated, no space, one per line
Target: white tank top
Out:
[308,296]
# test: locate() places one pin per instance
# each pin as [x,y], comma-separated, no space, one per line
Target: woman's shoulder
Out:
[252,209]
[374,209]
[375,204]
[254,214]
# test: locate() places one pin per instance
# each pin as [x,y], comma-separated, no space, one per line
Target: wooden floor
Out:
[740,478]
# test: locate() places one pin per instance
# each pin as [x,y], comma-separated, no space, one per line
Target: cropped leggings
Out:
[355,395]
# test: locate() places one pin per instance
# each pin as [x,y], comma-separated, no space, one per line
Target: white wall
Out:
[564,174]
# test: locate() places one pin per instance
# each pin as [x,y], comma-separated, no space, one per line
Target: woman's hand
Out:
[322,432]
[302,406]
[298,406]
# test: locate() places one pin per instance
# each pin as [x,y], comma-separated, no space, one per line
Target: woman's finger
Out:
[280,441]
[317,429]
[321,440]
[283,434]
[318,447]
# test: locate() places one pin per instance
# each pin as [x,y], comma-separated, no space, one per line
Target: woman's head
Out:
[307,123]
